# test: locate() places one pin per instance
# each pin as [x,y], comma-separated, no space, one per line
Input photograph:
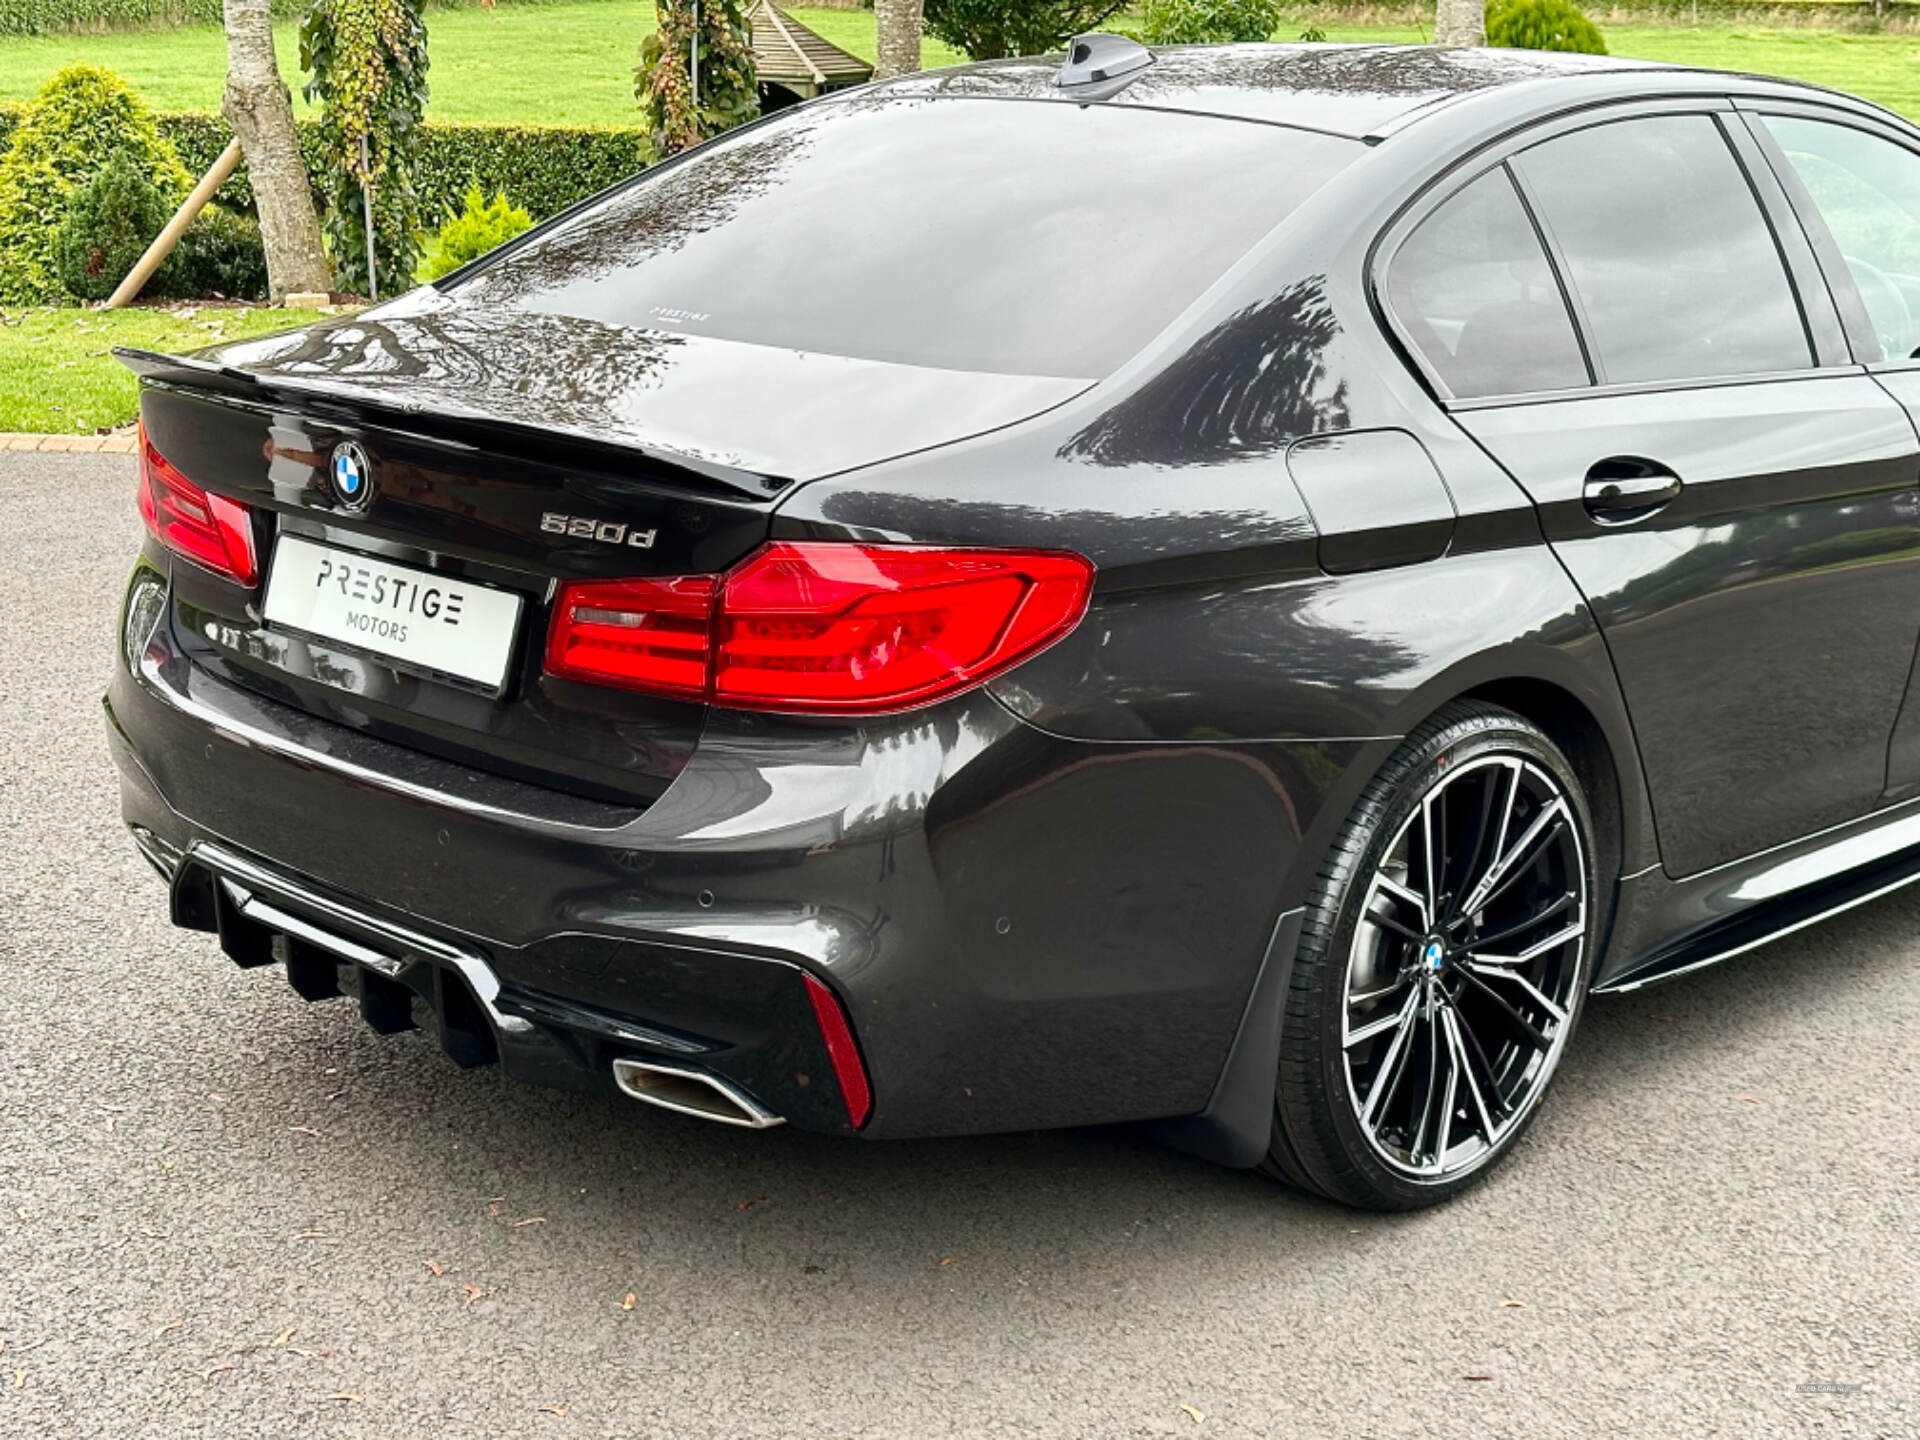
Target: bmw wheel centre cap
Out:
[352,475]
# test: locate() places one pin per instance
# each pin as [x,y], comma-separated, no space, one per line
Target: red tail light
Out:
[841,1050]
[822,627]
[210,530]
[644,634]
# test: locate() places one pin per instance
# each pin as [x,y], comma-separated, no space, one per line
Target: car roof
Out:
[1357,90]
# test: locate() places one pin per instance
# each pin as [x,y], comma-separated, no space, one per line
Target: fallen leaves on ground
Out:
[559,1410]
[309,1354]
[1749,1099]
[1476,1377]
[213,1370]
[311,1235]
[435,1268]
[756,1200]
[285,1335]
[1507,1302]
[304,1130]
[530,1220]
[474,1292]
[1194,1412]
[628,1300]
[19,1379]
[344,1397]
[951,1259]
[169,1328]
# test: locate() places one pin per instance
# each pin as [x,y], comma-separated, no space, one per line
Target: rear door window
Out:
[1675,267]
[1867,190]
[1472,288]
[1020,237]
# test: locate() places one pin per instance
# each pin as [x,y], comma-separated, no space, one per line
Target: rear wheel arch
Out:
[1583,740]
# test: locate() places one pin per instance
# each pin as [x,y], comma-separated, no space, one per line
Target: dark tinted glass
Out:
[1868,191]
[1020,237]
[1668,251]
[1474,289]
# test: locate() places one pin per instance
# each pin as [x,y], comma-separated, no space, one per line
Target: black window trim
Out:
[1805,277]
[1826,249]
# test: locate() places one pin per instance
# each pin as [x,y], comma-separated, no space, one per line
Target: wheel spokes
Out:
[1507,865]
[1390,886]
[1534,951]
[1539,917]
[1466,1070]
[1528,1031]
[1454,1038]
[1387,1075]
[1533,991]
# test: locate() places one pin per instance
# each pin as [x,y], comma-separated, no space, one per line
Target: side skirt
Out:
[1769,920]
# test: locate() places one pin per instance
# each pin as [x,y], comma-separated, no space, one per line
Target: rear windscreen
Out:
[1034,238]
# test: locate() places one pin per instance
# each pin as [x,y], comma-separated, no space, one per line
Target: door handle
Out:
[1624,488]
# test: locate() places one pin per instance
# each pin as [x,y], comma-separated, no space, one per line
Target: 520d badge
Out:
[607,532]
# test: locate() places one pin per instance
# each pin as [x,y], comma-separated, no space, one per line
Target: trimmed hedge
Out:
[46,17]
[53,17]
[541,169]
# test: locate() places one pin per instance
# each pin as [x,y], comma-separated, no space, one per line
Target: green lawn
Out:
[56,376]
[557,64]
[572,63]
[1885,68]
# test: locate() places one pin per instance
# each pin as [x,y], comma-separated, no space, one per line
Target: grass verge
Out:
[58,377]
[553,64]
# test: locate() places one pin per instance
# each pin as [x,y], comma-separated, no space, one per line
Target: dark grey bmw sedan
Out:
[1222,587]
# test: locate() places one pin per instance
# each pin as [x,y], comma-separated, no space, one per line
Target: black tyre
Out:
[1442,966]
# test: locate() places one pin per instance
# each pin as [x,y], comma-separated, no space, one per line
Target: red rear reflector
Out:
[823,626]
[841,1050]
[645,634]
[210,530]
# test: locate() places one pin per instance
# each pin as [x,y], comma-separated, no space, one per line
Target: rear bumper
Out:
[1022,931]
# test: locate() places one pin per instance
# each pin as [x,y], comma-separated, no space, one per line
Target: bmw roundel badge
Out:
[352,475]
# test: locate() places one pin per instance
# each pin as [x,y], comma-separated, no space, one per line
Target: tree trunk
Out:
[897,26]
[257,105]
[1460,22]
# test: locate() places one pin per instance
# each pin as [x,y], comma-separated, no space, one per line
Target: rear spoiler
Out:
[472,429]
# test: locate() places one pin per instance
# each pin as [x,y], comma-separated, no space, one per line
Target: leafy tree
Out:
[110,222]
[994,29]
[257,105]
[79,119]
[1460,22]
[368,63]
[1207,22]
[897,25]
[674,115]
[1543,25]
[476,229]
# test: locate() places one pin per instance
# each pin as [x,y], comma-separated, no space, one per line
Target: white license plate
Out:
[437,623]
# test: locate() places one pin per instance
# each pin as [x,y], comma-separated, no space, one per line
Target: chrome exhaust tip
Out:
[692,1092]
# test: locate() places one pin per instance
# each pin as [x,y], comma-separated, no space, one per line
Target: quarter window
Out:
[1473,288]
[1674,265]
[1867,190]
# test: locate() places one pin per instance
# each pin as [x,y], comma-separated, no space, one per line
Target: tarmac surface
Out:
[227,1212]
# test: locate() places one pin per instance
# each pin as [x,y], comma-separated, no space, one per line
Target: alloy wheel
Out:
[1463,971]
